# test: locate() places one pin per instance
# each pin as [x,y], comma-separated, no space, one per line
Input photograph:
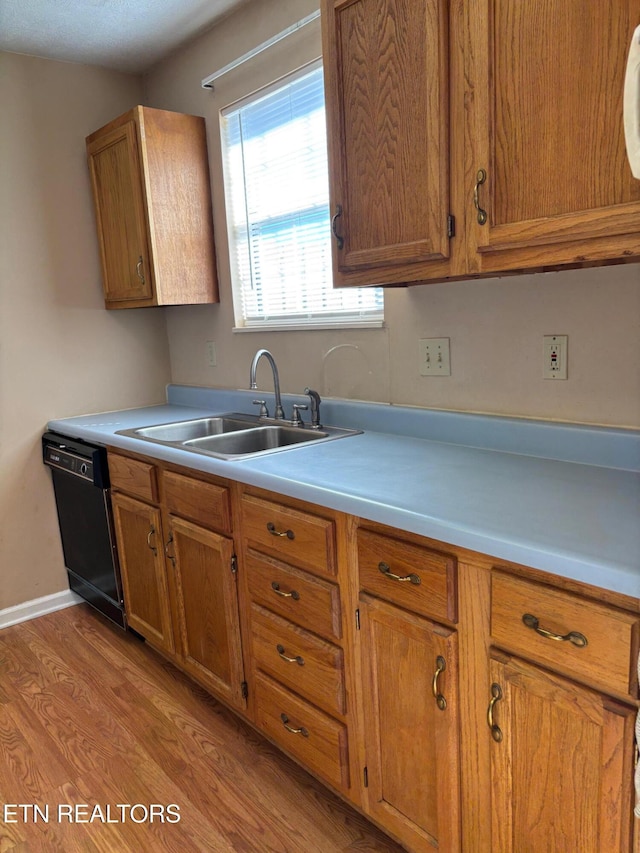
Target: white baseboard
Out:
[37,607]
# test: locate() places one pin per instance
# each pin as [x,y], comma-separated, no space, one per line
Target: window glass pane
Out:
[276,187]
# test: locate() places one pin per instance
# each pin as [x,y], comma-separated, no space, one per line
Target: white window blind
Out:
[276,188]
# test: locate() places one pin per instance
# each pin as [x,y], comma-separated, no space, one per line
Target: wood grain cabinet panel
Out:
[546,125]
[150,179]
[609,657]
[411,735]
[300,538]
[144,578]
[134,477]
[562,765]
[387,66]
[420,579]
[205,503]
[297,596]
[207,608]
[317,740]
[303,662]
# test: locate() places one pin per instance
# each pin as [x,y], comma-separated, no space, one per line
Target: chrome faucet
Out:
[279,413]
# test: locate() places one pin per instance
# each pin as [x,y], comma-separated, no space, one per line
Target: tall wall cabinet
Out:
[150,179]
[472,138]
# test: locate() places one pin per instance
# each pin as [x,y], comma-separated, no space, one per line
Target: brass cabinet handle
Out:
[272,530]
[574,637]
[481,177]
[300,731]
[152,532]
[139,272]
[334,226]
[297,659]
[169,556]
[275,586]
[496,694]
[386,571]
[441,665]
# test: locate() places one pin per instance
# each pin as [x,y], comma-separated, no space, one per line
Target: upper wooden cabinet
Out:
[473,138]
[387,78]
[150,179]
[545,124]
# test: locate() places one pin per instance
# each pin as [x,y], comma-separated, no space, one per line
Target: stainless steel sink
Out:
[234,435]
[187,430]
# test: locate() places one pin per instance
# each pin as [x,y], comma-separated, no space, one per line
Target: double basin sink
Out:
[235,435]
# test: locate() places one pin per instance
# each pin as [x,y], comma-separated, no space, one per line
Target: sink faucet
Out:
[276,379]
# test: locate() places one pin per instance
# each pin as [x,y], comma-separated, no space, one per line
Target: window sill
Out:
[310,327]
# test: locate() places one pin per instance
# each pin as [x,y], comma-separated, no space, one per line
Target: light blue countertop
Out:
[556,497]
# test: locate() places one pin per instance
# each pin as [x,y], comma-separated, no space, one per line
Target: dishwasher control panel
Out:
[57,457]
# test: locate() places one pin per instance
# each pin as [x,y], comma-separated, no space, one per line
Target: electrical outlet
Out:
[211,353]
[555,350]
[434,357]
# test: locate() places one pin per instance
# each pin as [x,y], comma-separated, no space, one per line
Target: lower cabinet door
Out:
[144,579]
[411,712]
[562,763]
[207,604]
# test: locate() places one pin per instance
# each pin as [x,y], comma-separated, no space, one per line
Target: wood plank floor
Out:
[90,716]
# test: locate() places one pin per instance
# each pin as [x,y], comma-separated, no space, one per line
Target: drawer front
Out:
[299,538]
[133,477]
[428,582]
[204,503]
[298,596]
[315,739]
[609,657]
[300,660]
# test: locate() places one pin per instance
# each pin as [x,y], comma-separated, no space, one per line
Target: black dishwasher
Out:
[81,484]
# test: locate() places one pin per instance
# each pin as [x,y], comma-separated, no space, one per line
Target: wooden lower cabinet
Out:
[144,577]
[411,713]
[561,762]
[207,608]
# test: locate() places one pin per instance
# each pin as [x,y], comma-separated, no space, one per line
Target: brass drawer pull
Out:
[297,659]
[152,532]
[301,731]
[272,530]
[441,665]
[386,571]
[275,586]
[496,695]
[481,177]
[169,556]
[574,637]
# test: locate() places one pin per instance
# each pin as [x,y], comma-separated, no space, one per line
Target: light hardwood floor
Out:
[90,715]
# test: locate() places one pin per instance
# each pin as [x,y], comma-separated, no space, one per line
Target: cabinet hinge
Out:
[451,226]
[365,777]
[234,564]
[357,619]
[244,689]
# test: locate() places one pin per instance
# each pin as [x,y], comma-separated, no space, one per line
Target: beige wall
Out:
[61,353]
[495,326]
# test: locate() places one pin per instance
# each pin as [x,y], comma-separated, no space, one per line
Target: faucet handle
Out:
[264,412]
[296,418]
[315,400]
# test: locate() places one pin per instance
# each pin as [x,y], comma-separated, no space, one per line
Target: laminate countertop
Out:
[557,497]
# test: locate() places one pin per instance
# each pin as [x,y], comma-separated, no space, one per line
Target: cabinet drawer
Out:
[133,477]
[316,740]
[607,660]
[204,503]
[299,597]
[298,659]
[299,538]
[429,584]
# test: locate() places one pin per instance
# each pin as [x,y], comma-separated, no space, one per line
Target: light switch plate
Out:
[434,357]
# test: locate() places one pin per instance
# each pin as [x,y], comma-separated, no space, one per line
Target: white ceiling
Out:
[125,35]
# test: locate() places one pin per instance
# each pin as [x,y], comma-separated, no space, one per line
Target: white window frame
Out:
[367,318]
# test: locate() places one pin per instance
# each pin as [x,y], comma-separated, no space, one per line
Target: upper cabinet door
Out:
[545,105]
[119,203]
[387,74]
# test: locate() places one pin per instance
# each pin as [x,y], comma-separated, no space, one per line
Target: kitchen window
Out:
[276,187]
